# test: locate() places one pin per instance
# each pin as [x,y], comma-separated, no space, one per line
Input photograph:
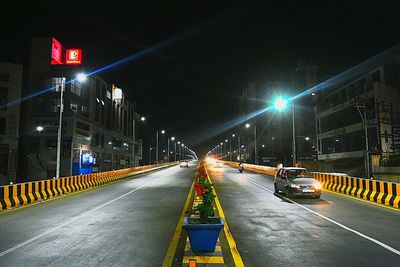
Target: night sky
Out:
[209,49]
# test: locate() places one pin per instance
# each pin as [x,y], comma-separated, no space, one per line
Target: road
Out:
[128,223]
[333,231]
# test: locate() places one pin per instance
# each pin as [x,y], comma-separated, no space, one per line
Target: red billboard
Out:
[73,57]
[56,52]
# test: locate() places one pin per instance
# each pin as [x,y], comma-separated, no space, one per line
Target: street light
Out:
[172,138]
[81,77]
[142,118]
[307,138]
[162,132]
[280,105]
[247,125]
[39,128]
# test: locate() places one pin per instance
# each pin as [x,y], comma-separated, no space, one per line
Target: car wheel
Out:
[276,190]
[316,196]
[289,193]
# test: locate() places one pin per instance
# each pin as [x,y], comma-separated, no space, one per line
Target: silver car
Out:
[293,181]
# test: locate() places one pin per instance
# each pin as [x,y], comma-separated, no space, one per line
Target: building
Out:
[274,129]
[10,91]
[340,111]
[97,123]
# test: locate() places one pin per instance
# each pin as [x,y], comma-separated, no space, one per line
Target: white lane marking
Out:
[5,252]
[395,251]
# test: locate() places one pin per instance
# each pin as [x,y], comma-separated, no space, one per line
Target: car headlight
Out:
[317,185]
[295,186]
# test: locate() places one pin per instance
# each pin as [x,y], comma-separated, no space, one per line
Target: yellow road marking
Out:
[203,259]
[360,199]
[169,257]
[231,241]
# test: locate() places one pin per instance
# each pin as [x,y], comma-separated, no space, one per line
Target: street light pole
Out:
[294,138]
[175,151]
[157,146]
[255,145]
[230,149]
[364,120]
[168,150]
[60,128]
[133,142]
[240,156]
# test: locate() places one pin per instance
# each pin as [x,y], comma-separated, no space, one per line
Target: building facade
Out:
[10,92]
[340,112]
[97,123]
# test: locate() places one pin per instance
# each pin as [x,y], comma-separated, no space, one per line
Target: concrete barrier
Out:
[386,193]
[25,193]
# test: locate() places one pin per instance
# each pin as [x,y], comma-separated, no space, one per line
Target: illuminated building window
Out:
[76,87]
[57,84]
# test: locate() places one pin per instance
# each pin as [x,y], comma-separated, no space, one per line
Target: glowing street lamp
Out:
[142,118]
[280,104]
[39,128]
[81,77]
[247,125]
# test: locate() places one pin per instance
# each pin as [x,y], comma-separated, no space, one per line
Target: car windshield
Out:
[298,173]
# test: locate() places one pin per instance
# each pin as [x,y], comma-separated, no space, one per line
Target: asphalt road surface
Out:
[129,223]
[270,230]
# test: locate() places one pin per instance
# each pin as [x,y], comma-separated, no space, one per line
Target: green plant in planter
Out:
[206,208]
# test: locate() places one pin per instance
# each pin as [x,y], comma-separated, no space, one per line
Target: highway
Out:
[335,230]
[128,223]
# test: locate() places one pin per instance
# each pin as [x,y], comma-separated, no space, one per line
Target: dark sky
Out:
[207,50]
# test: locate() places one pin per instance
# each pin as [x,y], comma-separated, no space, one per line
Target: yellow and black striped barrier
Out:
[386,193]
[25,193]
[381,192]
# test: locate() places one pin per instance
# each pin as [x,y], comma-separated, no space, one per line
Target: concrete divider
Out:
[29,192]
[386,193]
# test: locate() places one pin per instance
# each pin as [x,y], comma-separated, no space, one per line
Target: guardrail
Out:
[386,193]
[25,193]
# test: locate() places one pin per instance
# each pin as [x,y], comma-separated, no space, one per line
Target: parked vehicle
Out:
[293,181]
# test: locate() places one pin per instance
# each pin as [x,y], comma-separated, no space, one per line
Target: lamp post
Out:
[240,155]
[80,77]
[230,147]
[172,138]
[179,151]
[162,132]
[134,137]
[280,105]
[364,119]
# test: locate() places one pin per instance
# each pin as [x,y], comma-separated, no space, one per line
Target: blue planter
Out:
[203,237]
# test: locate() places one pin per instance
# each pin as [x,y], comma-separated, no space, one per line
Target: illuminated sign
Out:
[56,52]
[73,57]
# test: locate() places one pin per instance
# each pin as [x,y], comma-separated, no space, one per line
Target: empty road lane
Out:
[128,223]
